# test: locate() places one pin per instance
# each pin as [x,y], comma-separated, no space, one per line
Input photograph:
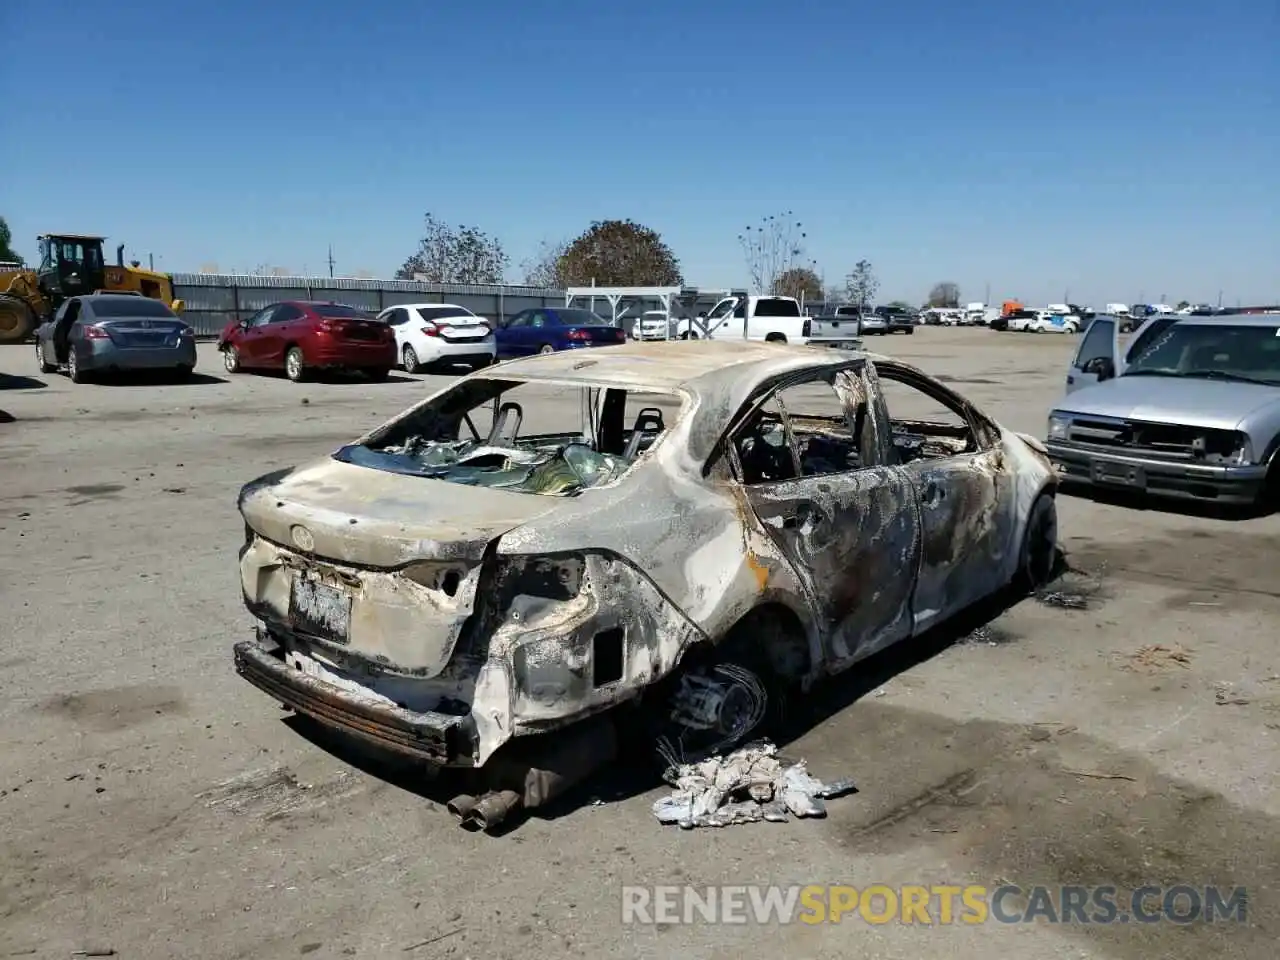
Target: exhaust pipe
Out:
[462,805]
[493,808]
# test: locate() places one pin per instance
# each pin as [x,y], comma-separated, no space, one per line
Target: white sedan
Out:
[1046,322]
[439,333]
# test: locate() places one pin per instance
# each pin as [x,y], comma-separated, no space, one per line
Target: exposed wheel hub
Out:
[713,708]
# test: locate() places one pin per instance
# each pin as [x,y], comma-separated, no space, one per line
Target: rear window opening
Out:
[777,307]
[444,313]
[336,311]
[131,308]
[522,436]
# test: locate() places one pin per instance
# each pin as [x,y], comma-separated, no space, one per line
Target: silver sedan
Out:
[105,332]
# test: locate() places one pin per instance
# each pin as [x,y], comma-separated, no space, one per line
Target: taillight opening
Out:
[429,329]
[578,335]
[96,333]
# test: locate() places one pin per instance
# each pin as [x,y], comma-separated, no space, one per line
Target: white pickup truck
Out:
[771,319]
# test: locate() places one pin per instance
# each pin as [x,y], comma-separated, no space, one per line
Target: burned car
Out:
[483,581]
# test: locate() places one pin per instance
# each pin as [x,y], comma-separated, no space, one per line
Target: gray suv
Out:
[1190,408]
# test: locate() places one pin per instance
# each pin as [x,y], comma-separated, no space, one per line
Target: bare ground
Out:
[156,804]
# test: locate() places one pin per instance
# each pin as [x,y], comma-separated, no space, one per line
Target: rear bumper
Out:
[835,343]
[104,355]
[459,350]
[437,738]
[1237,485]
[375,355]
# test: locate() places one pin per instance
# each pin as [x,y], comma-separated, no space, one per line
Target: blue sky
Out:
[1112,149]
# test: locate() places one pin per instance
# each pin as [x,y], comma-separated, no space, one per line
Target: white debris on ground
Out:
[746,786]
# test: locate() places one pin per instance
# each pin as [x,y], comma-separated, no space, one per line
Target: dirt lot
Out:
[156,804]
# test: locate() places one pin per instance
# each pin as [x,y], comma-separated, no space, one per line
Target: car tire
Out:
[409,359]
[41,363]
[74,371]
[909,331]
[294,368]
[183,373]
[378,374]
[1038,558]
[231,359]
[546,348]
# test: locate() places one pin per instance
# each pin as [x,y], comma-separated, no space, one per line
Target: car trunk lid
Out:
[142,333]
[375,518]
[345,328]
[597,334]
[383,565]
[463,328]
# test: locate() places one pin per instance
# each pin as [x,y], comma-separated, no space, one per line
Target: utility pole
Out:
[151,260]
[1219,299]
[986,297]
[331,261]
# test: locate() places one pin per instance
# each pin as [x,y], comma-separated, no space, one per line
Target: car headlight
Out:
[1243,453]
[1059,427]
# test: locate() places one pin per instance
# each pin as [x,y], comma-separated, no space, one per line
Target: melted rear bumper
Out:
[437,738]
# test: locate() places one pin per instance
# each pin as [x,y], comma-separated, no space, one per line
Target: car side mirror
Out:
[1104,367]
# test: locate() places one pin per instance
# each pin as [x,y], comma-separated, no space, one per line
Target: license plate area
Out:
[1119,475]
[320,609]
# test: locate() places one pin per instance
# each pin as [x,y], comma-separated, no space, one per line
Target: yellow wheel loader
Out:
[70,265]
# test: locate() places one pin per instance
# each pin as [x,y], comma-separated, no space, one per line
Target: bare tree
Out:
[773,247]
[861,285]
[460,254]
[944,294]
[543,268]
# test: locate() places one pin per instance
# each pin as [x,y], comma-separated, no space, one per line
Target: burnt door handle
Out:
[933,492]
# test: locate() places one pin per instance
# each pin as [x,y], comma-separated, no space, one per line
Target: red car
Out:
[300,336]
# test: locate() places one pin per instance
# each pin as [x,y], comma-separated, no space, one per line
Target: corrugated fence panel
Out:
[214,300]
[360,299]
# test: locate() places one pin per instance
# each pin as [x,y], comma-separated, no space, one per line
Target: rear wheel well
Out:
[775,338]
[770,637]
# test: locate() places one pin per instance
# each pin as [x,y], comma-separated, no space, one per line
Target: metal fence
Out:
[213,300]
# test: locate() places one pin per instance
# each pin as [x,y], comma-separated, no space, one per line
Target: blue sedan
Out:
[548,329]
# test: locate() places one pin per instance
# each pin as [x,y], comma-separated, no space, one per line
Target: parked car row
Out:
[299,337]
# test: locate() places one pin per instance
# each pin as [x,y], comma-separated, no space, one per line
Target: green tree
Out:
[617,253]
[901,305]
[799,282]
[460,254]
[7,252]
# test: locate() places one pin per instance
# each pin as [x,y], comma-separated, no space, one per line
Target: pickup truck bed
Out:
[841,332]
